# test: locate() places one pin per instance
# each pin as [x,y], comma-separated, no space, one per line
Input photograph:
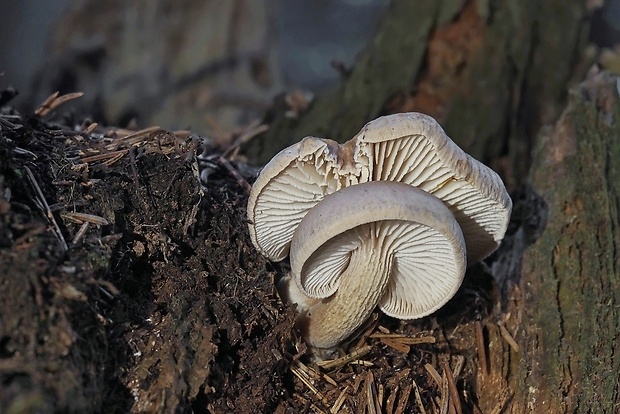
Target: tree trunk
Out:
[565,312]
[491,71]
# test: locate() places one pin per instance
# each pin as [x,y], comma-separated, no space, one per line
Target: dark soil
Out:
[156,300]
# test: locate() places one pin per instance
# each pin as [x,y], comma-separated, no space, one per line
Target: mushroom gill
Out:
[377,243]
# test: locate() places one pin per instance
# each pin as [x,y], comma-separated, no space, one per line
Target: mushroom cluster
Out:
[391,218]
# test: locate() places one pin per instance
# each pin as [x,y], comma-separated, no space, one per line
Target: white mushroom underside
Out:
[363,281]
[421,258]
[277,215]
[414,160]
[293,192]
[428,160]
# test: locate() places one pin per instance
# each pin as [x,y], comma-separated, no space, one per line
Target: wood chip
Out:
[397,345]
[114,159]
[508,337]
[357,382]
[434,374]
[85,218]
[458,366]
[106,156]
[362,362]
[481,349]
[46,104]
[89,129]
[403,400]
[336,363]
[305,402]
[315,374]
[80,234]
[372,402]
[389,404]
[405,339]
[136,136]
[418,398]
[339,401]
[454,392]
[445,395]
[299,373]
[54,101]
[46,208]
[420,340]
[503,401]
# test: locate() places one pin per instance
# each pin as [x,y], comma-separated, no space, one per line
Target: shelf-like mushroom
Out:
[407,148]
[387,244]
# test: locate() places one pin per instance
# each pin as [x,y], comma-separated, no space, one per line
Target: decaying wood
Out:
[491,71]
[54,101]
[565,314]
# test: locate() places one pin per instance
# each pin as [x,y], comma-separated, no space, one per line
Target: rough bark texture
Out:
[490,71]
[565,312]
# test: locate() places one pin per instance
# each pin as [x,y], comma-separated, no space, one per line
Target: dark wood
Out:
[564,313]
[491,71]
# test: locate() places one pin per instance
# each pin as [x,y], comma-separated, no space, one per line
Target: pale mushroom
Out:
[411,148]
[386,244]
[408,148]
[293,182]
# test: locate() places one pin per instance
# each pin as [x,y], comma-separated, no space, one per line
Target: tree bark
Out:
[565,312]
[491,71]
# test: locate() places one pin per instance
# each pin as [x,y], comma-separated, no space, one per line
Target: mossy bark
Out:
[565,311]
[496,69]
[390,64]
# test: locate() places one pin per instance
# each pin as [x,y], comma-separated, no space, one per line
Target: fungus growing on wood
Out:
[405,157]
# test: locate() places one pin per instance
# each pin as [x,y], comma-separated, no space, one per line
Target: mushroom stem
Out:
[362,286]
[373,244]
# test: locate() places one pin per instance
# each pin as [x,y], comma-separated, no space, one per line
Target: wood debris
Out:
[454,393]
[510,340]
[44,206]
[306,379]
[357,381]
[481,349]
[54,101]
[353,356]
[80,218]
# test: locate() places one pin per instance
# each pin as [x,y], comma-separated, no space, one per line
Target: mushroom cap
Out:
[408,228]
[411,148]
[293,182]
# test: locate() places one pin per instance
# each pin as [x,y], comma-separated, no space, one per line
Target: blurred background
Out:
[179,64]
[199,65]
